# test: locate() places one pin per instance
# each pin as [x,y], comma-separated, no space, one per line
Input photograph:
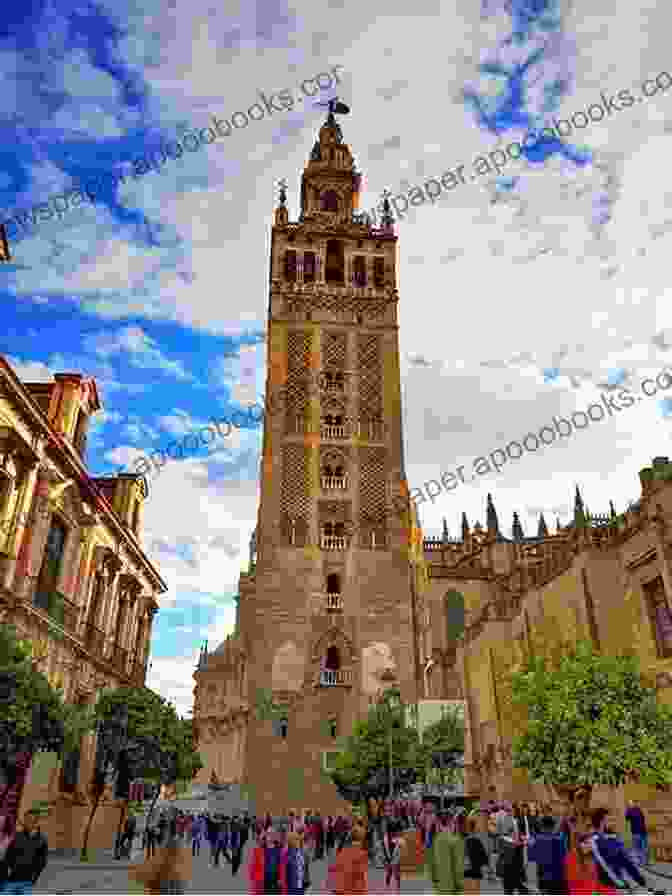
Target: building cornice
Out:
[76,469]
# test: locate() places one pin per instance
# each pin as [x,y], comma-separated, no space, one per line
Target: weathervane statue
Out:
[335,106]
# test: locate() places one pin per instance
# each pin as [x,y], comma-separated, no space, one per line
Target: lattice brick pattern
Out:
[368,362]
[294,499]
[298,370]
[334,350]
[372,485]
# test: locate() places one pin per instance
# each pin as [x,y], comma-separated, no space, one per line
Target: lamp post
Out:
[392,698]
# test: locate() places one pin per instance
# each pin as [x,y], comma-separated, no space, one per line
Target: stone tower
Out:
[326,607]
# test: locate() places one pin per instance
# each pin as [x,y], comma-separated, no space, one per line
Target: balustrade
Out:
[333,432]
[331,678]
[333,542]
[334,482]
[334,602]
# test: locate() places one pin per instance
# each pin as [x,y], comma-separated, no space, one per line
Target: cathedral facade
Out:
[344,594]
[327,606]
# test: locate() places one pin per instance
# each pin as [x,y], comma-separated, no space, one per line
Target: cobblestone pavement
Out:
[63,877]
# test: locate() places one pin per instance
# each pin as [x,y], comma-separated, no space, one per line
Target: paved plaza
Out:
[104,875]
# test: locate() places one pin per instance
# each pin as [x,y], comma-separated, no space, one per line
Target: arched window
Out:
[335,262]
[333,583]
[330,201]
[455,614]
[291,265]
[333,659]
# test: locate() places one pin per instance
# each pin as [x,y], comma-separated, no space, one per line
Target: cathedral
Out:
[344,596]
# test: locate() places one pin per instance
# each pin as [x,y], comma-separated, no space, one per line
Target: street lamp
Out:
[394,702]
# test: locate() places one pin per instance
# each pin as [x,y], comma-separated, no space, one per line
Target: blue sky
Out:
[521,296]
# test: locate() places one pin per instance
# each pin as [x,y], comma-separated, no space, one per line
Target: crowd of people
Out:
[455,848]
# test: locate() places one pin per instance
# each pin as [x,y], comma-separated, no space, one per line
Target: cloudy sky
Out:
[523,296]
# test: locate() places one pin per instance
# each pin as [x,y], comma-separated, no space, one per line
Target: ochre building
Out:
[603,578]
[75,580]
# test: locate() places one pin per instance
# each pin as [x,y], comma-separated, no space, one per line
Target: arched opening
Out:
[333,659]
[335,262]
[329,200]
[455,615]
[333,583]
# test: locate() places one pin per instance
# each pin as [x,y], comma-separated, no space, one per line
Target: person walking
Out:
[267,871]
[393,858]
[297,879]
[640,837]
[445,860]
[150,839]
[511,859]
[349,872]
[548,852]
[169,870]
[236,844]
[581,871]
[476,854]
[25,858]
[198,828]
[610,854]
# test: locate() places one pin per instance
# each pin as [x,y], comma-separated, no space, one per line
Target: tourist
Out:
[493,839]
[169,870]
[296,865]
[150,838]
[640,839]
[511,858]
[445,860]
[319,837]
[610,854]
[393,857]
[581,871]
[476,854]
[267,870]
[549,852]
[330,835]
[349,872]
[26,857]
[198,831]
[214,831]
[235,844]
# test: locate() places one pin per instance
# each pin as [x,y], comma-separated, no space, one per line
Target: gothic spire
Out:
[492,522]
[542,528]
[465,527]
[612,510]
[444,535]
[579,512]
[387,218]
[517,529]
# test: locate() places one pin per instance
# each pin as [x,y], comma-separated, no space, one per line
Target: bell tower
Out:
[327,617]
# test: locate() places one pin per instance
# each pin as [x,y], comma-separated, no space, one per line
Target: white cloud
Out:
[140,348]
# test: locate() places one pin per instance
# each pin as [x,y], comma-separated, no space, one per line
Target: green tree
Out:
[361,768]
[445,736]
[32,686]
[590,719]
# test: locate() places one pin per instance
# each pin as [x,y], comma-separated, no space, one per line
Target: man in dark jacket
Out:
[548,852]
[26,857]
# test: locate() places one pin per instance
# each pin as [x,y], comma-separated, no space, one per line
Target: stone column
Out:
[20,528]
[69,563]
[33,538]
[659,529]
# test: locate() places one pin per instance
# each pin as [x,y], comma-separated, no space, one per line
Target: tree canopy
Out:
[590,719]
[152,719]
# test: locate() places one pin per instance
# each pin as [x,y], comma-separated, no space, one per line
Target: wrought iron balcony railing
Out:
[333,432]
[333,542]
[334,482]
[333,678]
[334,602]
